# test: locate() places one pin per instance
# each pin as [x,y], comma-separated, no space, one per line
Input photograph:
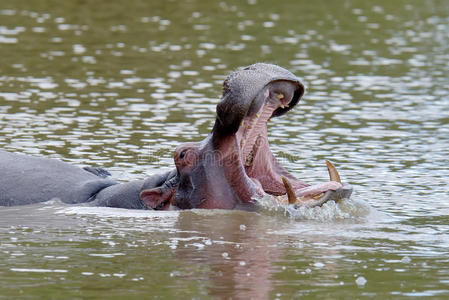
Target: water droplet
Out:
[360,281]
[406,260]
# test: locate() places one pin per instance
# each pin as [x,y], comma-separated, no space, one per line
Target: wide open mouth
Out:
[262,167]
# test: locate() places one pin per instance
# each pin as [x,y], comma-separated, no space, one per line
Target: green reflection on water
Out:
[121,84]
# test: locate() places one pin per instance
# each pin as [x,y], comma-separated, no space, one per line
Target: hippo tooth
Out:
[290,193]
[249,159]
[316,197]
[280,96]
[333,174]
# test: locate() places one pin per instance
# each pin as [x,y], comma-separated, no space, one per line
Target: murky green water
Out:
[120,84]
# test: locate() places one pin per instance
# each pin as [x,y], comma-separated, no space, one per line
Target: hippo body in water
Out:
[27,179]
[231,168]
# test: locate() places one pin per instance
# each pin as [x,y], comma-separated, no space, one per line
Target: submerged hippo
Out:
[27,179]
[229,169]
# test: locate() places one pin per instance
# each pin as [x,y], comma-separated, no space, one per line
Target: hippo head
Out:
[234,166]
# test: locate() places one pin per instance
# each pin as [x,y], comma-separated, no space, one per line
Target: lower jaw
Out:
[272,184]
[342,193]
[314,195]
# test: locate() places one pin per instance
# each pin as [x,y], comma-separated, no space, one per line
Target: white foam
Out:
[116,212]
[38,270]
[106,255]
[329,211]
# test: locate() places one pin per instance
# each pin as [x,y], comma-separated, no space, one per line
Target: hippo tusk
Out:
[333,174]
[290,193]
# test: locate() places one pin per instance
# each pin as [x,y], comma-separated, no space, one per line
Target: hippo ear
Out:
[156,198]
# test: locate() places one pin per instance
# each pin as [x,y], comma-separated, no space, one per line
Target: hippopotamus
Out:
[231,168]
[26,179]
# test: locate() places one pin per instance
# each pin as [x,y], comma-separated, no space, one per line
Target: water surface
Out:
[119,85]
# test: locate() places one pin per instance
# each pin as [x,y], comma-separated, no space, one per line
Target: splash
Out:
[112,212]
[329,211]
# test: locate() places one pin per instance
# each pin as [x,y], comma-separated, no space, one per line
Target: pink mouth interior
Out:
[259,163]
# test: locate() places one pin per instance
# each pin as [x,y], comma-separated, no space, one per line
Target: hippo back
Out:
[27,179]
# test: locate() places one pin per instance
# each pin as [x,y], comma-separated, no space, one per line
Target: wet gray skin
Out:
[28,179]
[234,166]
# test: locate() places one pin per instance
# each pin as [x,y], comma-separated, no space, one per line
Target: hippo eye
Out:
[182,154]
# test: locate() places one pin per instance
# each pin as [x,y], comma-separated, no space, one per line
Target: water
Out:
[120,86]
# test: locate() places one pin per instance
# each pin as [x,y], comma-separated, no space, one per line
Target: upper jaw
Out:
[241,115]
[261,166]
[243,93]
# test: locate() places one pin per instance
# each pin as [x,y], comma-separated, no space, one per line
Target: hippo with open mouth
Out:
[233,165]
[231,168]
